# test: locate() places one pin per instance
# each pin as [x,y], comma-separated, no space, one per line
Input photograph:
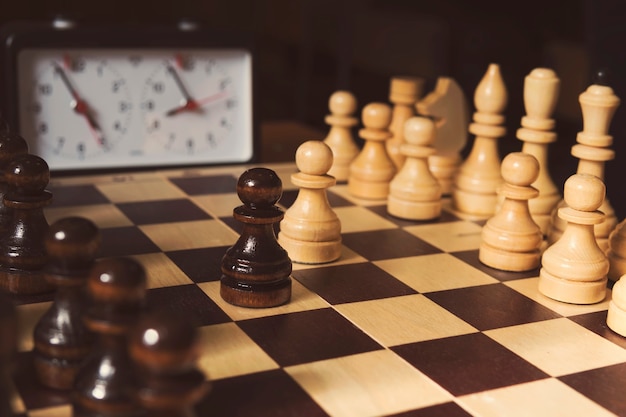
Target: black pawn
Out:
[61,339]
[256,269]
[164,349]
[8,347]
[11,145]
[104,384]
[22,253]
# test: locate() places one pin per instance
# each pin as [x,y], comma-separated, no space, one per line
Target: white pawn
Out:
[310,231]
[414,193]
[372,170]
[511,240]
[616,316]
[574,269]
[342,105]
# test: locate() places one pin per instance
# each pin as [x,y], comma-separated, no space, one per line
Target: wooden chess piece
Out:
[310,232]
[541,91]
[11,146]
[598,104]
[403,94]
[617,252]
[8,347]
[61,339]
[474,193]
[447,105]
[22,253]
[574,269]
[414,193]
[342,105]
[256,269]
[372,170]
[511,240]
[164,349]
[616,314]
[104,383]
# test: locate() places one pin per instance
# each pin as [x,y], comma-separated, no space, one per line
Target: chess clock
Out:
[98,97]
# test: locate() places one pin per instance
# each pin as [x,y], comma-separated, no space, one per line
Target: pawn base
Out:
[255,294]
[616,319]
[305,252]
[508,261]
[54,373]
[474,206]
[413,210]
[368,190]
[573,292]
[24,282]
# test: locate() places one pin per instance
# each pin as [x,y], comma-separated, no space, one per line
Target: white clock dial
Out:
[75,106]
[191,90]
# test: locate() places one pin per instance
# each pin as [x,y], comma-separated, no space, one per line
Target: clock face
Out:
[92,108]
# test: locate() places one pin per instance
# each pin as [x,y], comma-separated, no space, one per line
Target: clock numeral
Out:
[158,87]
[80,148]
[117,84]
[44,89]
[124,106]
[42,128]
[154,125]
[36,108]
[119,126]
[135,60]
[189,144]
[231,104]
[224,83]
[60,144]
[77,65]
[211,139]
[148,105]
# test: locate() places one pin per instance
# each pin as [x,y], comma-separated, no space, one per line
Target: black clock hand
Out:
[79,105]
[186,96]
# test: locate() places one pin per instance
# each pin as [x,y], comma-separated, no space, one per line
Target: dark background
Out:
[306,49]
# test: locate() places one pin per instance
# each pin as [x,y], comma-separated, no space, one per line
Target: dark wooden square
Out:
[307,336]
[162,211]
[213,184]
[491,306]
[125,241]
[387,244]
[352,282]
[200,265]
[469,363]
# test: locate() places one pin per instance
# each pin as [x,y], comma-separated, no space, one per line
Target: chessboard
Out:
[406,323]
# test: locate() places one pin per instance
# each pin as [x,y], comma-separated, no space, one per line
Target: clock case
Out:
[20,35]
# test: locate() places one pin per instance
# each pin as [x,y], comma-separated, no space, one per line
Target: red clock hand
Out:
[80,106]
[195,105]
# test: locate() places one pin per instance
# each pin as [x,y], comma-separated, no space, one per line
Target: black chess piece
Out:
[164,349]
[11,145]
[104,384]
[8,343]
[256,269]
[61,339]
[22,253]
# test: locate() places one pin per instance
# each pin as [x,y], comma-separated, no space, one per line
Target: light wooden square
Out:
[140,191]
[437,272]
[407,319]
[190,235]
[227,351]
[449,237]
[371,381]
[544,398]
[28,316]
[359,219]
[559,346]
[161,271]
[218,205]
